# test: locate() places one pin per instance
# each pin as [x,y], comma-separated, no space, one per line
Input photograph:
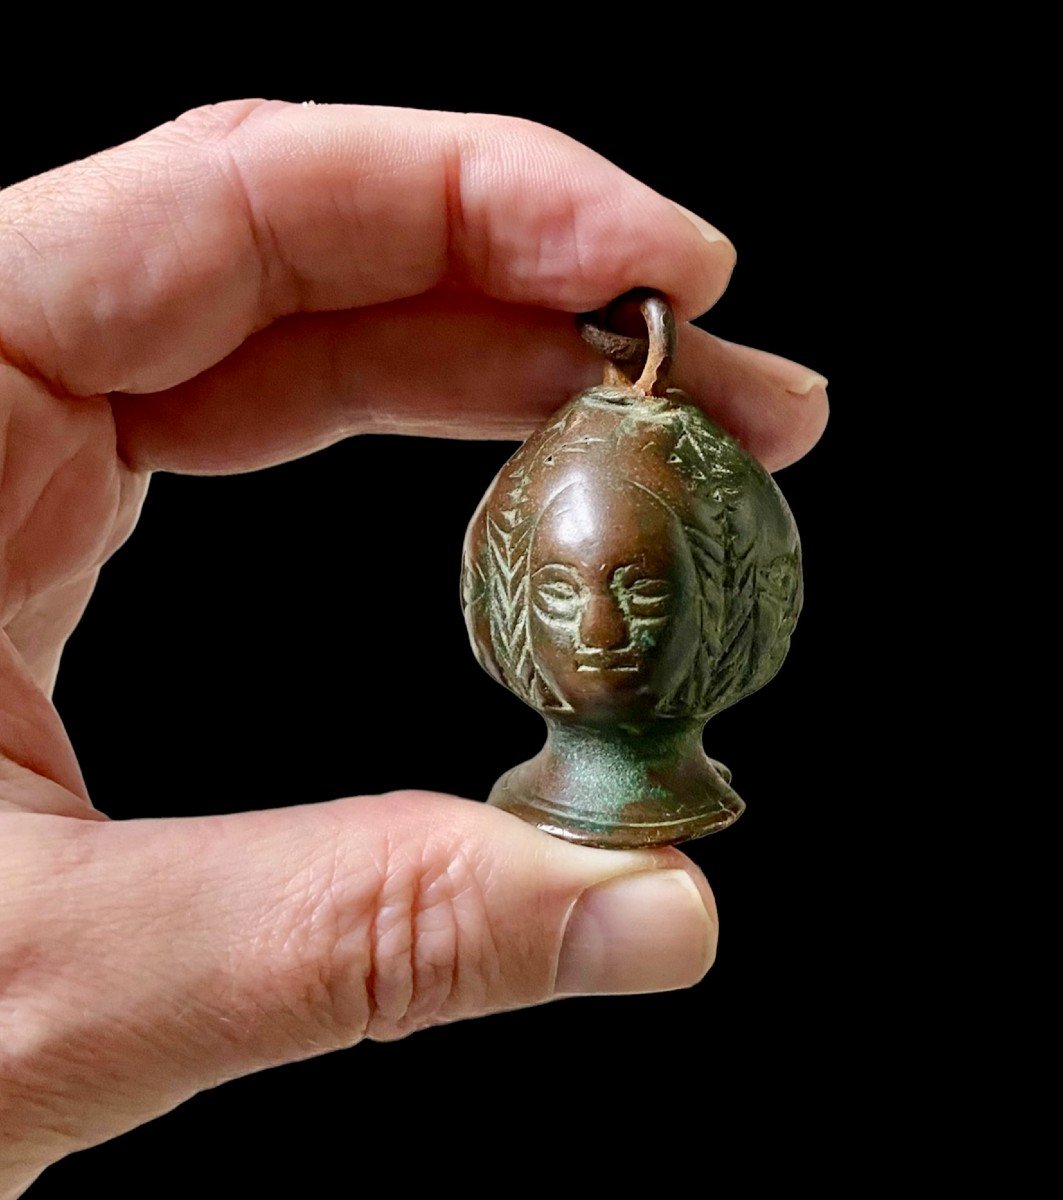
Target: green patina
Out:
[607,769]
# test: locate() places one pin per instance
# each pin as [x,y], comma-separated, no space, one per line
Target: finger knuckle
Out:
[515,130]
[431,950]
[398,942]
[42,1020]
[208,123]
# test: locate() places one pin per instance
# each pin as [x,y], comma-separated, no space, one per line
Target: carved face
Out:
[612,617]
[631,564]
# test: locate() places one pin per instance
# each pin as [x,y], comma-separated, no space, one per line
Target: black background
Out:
[225,664]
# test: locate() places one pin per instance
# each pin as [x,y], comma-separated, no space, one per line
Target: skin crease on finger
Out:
[209,263]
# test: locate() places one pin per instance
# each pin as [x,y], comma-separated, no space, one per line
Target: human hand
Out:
[240,287]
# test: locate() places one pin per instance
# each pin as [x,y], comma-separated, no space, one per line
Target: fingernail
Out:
[807,383]
[709,232]
[648,932]
[790,376]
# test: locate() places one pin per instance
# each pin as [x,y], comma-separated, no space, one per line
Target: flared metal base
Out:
[694,807]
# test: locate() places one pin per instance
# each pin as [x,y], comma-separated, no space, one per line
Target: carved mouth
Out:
[607,663]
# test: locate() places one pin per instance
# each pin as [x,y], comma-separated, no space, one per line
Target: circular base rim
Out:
[568,826]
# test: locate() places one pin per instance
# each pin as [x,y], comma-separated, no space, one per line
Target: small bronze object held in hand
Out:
[630,572]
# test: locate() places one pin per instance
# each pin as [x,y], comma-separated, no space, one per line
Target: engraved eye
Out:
[648,604]
[645,599]
[558,601]
[651,589]
[557,589]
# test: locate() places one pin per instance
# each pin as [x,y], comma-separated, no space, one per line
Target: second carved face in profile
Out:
[612,619]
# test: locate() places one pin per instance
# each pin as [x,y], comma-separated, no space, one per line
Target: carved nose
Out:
[603,626]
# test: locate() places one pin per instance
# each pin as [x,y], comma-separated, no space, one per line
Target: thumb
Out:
[171,955]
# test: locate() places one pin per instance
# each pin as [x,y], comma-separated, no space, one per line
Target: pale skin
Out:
[233,289]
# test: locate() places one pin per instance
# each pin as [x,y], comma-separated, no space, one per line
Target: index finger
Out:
[142,266]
